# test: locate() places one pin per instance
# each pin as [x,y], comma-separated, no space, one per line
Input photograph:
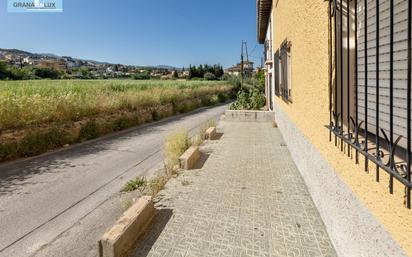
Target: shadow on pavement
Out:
[218,136]
[202,160]
[145,244]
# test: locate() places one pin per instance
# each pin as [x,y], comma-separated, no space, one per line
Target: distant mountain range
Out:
[16,54]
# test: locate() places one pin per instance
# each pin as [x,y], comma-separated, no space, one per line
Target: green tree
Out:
[4,72]
[142,75]
[209,76]
[85,72]
[47,73]
[19,73]
[175,74]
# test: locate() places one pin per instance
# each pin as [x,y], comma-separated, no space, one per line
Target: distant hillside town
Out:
[69,67]
[22,65]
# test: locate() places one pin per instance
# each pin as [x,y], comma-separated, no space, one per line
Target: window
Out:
[277,88]
[285,71]
[270,91]
[370,98]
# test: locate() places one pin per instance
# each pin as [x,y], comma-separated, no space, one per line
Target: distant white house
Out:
[236,69]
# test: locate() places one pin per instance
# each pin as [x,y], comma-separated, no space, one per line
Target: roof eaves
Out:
[263,8]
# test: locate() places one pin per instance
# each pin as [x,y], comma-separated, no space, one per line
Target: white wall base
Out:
[354,231]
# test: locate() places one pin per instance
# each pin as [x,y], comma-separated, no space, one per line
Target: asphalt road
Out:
[44,198]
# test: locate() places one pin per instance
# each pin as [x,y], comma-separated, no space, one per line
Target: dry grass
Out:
[197,140]
[158,184]
[38,116]
[205,126]
[31,103]
[175,145]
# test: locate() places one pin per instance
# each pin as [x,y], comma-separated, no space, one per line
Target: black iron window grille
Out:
[276,68]
[370,85]
[285,81]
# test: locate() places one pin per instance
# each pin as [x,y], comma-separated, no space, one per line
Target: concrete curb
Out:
[121,238]
[249,116]
[189,158]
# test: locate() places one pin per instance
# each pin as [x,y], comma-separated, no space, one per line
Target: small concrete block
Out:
[249,116]
[121,238]
[189,158]
[211,133]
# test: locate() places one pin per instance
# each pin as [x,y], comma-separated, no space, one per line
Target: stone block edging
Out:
[189,158]
[121,238]
[211,133]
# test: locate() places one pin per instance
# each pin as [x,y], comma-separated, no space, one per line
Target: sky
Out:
[138,32]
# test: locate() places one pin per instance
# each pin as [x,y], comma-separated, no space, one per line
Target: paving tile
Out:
[248,199]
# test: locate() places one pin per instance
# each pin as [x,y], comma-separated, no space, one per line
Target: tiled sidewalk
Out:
[248,199]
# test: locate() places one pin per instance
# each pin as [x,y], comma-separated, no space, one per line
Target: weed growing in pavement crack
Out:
[157,184]
[185,182]
[138,183]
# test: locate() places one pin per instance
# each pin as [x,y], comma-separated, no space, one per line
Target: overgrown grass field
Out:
[27,103]
[40,115]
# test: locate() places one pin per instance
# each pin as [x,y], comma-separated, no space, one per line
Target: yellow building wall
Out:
[305,25]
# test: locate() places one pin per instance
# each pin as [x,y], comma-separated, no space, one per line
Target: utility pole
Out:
[247,57]
[241,67]
[247,54]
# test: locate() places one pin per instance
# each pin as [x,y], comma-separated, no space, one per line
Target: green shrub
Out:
[257,100]
[156,115]
[20,74]
[7,151]
[141,75]
[47,73]
[214,99]
[242,101]
[188,106]
[221,97]
[253,100]
[39,142]
[122,123]
[4,73]
[234,80]
[138,183]
[135,120]
[260,79]
[209,76]
[206,101]
[89,131]
[177,107]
